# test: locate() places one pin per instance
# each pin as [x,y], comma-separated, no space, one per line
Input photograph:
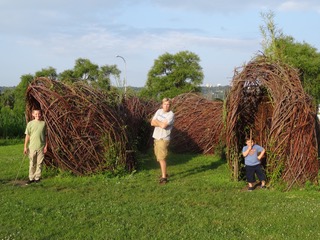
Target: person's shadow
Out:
[199,169]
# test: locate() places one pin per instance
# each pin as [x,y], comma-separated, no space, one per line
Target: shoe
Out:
[163,181]
[29,182]
[264,187]
[37,181]
[250,189]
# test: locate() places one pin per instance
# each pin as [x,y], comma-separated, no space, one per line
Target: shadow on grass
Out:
[201,168]
[2,181]
[182,149]
[148,162]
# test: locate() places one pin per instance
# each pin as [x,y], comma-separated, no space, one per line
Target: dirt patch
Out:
[256,186]
[18,183]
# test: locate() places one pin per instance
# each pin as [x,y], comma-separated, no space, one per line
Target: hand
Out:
[25,151]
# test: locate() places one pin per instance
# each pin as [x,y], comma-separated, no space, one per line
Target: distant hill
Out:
[210,92]
[4,88]
[217,92]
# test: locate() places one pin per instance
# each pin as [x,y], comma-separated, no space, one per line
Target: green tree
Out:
[20,93]
[7,98]
[270,33]
[67,76]
[13,101]
[85,70]
[172,75]
[49,72]
[105,73]
[302,56]
[306,59]
[12,117]
[12,125]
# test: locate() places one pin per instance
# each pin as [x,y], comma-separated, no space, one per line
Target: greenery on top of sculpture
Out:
[302,56]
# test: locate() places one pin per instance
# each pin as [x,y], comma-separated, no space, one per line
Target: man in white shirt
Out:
[163,122]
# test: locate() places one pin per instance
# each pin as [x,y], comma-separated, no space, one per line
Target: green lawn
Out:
[199,202]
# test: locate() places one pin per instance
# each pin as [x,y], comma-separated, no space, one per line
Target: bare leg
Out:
[163,166]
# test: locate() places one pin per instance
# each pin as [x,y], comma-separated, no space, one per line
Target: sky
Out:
[38,34]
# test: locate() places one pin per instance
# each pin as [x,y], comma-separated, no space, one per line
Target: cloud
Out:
[236,6]
[55,33]
[100,41]
[312,5]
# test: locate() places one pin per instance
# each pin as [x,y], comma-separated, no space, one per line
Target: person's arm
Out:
[157,123]
[261,154]
[45,146]
[245,153]
[26,140]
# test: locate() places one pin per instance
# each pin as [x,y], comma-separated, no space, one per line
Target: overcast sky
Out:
[37,34]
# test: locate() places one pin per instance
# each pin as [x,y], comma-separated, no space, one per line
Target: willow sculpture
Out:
[198,126]
[85,131]
[267,102]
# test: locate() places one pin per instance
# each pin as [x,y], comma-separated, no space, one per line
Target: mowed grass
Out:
[199,202]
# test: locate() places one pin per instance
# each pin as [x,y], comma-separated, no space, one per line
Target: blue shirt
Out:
[252,158]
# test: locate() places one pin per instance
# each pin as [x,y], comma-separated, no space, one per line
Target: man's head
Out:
[166,102]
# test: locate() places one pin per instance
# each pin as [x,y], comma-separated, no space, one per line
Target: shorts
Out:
[252,170]
[161,149]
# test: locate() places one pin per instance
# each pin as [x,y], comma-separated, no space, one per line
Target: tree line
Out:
[170,75]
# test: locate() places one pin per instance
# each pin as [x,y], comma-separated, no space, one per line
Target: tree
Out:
[67,76]
[172,75]
[104,76]
[302,56]
[49,72]
[20,93]
[12,117]
[306,59]
[7,98]
[85,70]
[270,33]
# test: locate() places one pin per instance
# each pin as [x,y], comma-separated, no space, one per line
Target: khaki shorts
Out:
[161,149]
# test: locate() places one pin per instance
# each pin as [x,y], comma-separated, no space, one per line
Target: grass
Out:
[199,202]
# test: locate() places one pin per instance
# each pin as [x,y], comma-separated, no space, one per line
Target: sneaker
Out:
[163,181]
[37,181]
[250,189]
[29,182]
[264,187]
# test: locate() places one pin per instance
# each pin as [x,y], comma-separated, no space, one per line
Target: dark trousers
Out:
[252,170]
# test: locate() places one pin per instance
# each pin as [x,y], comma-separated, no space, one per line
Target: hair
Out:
[248,138]
[37,109]
[166,100]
